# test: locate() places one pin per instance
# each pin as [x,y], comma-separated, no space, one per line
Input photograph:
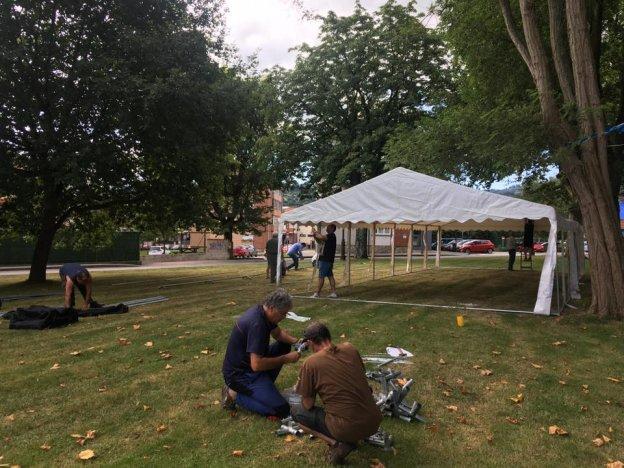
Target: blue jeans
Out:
[325,269]
[256,391]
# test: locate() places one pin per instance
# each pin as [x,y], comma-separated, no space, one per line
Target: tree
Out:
[111,105]
[254,164]
[370,73]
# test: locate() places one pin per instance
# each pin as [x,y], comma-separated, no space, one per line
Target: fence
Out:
[123,248]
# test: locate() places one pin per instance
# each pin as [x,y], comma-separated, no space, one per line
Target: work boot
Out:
[227,402]
[337,453]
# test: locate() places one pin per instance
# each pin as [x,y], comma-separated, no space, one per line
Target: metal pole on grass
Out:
[392,250]
[278,273]
[439,247]
[410,248]
[348,259]
[425,249]
[374,241]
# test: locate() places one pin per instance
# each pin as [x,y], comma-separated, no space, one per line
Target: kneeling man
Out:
[251,365]
[336,373]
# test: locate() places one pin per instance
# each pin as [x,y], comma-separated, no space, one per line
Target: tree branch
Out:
[558,45]
[514,34]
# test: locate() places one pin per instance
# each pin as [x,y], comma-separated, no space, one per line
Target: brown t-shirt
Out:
[337,376]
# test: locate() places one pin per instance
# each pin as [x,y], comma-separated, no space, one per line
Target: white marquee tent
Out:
[404,199]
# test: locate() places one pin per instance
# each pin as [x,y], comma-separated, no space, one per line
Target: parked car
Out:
[538,247]
[461,242]
[240,252]
[451,245]
[477,246]
[157,250]
[251,250]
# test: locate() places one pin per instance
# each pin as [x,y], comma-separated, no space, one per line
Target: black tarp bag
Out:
[37,317]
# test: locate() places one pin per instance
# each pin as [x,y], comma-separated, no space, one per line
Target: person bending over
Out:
[75,275]
[251,365]
[336,374]
[326,260]
[295,252]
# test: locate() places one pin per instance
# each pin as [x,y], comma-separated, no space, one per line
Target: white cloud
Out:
[271,27]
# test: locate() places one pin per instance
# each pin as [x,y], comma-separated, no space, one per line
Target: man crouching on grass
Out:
[336,373]
[251,365]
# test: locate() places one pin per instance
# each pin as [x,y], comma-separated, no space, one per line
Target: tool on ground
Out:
[396,351]
[145,301]
[289,426]
[394,389]
[382,358]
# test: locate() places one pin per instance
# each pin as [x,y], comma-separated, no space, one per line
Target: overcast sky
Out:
[271,27]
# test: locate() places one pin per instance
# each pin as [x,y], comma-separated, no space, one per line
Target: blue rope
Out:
[619,128]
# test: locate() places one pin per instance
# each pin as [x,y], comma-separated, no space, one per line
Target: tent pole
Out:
[392,250]
[278,273]
[410,249]
[374,240]
[425,248]
[439,247]
[348,263]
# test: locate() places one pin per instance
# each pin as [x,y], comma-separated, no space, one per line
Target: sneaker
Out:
[315,296]
[333,296]
[227,402]
[337,453]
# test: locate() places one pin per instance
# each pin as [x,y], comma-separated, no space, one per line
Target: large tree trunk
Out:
[361,243]
[227,234]
[41,253]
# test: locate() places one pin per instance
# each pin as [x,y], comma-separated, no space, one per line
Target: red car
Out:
[478,246]
[240,252]
[538,247]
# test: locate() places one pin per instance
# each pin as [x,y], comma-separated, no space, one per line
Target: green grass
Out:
[106,387]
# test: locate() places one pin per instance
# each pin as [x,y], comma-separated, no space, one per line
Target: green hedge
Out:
[123,248]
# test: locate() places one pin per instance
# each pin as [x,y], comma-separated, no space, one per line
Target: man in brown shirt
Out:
[336,374]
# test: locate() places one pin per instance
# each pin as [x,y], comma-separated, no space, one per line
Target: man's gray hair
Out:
[279,299]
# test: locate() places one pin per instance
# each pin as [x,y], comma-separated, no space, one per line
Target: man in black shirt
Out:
[326,260]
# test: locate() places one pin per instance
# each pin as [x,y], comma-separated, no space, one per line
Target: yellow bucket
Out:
[460,320]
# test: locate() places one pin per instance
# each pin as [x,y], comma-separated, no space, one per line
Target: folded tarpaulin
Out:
[39,317]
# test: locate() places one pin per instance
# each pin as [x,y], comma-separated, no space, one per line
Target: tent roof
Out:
[405,197]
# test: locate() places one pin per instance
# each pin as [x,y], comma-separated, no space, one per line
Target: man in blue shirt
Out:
[75,275]
[251,365]
[296,252]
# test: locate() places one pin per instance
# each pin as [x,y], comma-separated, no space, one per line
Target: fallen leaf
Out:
[519,398]
[490,439]
[166,356]
[168,366]
[21,363]
[149,344]
[102,389]
[476,366]
[231,303]
[55,366]
[485,372]
[76,436]
[86,454]
[343,336]
[402,382]
[166,447]
[496,353]
[537,366]
[376,463]
[290,438]
[447,392]
[442,361]
[556,430]
[216,402]
[123,341]
[521,385]
[610,429]
[615,464]
[583,408]
[559,343]
[237,453]
[204,351]
[161,428]
[511,420]
[600,441]
[562,382]
[75,353]
[585,388]
[452,408]
[613,379]
[10,418]
[146,408]
[46,447]
[136,326]
[90,434]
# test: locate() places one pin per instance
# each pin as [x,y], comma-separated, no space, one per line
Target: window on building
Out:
[383,231]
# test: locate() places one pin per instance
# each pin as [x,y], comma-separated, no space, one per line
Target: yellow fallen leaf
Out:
[610,429]
[9,418]
[161,428]
[442,361]
[585,388]
[613,379]
[55,366]
[537,366]
[559,343]
[76,436]
[562,382]
[216,402]
[615,464]
[149,344]
[75,353]
[556,430]
[476,366]
[231,303]
[343,336]
[123,341]
[401,381]
[46,447]
[600,441]
[146,408]
[90,434]
[490,439]
[486,372]
[86,454]
[168,366]
[204,351]
[496,353]
[290,438]
[452,408]
[519,398]
[511,420]
[447,392]
[136,326]
[238,453]
[166,356]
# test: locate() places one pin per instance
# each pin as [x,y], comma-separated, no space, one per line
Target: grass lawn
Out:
[147,414]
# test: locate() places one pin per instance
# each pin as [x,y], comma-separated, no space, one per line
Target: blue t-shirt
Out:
[295,249]
[251,334]
[71,270]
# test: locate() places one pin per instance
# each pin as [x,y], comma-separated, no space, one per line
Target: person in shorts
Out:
[326,260]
